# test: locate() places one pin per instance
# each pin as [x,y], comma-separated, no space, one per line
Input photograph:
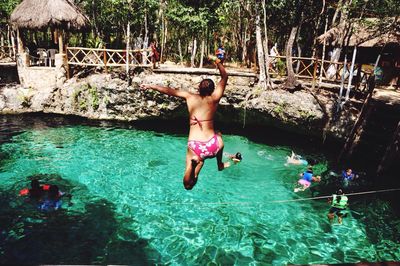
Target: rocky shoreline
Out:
[108,97]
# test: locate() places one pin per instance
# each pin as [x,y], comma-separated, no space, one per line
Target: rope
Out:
[280,201]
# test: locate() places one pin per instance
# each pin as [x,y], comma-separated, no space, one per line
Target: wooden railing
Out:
[108,57]
[310,68]
[7,52]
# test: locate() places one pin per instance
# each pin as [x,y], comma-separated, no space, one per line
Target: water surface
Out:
[129,205]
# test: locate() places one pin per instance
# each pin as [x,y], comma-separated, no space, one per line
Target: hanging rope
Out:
[276,201]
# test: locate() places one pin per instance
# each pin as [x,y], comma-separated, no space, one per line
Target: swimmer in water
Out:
[295,160]
[236,158]
[339,203]
[306,179]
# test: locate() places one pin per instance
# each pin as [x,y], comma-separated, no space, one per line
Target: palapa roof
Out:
[40,14]
[369,32]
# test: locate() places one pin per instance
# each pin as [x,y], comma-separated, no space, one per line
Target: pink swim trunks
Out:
[304,183]
[205,149]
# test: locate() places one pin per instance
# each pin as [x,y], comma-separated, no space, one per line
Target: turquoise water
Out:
[129,205]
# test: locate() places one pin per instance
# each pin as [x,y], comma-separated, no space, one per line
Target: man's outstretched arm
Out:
[166,90]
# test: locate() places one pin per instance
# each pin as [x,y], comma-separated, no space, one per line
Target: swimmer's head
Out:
[206,87]
[35,184]
[238,156]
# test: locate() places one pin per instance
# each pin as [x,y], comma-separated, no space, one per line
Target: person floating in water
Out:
[236,158]
[295,159]
[348,176]
[203,141]
[36,192]
[306,179]
[45,197]
[339,203]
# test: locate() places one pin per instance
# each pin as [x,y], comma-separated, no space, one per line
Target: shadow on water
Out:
[94,235]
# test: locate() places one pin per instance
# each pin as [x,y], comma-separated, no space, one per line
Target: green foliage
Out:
[94,96]
[231,21]
[281,67]
[193,16]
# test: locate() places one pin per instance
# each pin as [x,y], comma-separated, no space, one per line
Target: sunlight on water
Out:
[230,217]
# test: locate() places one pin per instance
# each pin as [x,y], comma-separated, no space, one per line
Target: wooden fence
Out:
[7,52]
[316,69]
[305,68]
[108,57]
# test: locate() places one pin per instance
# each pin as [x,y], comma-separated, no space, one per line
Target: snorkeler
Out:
[36,191]
[307,178]
[45,197]
[52,201]
[203,141]
[339,203]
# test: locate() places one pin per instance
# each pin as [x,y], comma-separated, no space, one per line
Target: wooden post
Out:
[60,41]
[105,60]
[67,64]
[315,72]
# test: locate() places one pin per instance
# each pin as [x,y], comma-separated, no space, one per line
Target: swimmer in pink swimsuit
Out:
[203,142]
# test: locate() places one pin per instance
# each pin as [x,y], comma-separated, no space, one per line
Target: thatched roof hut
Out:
[370,32]
[42,14]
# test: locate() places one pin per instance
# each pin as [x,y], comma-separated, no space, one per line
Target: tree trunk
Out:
[392,152]
[323,54]
[266,55]
[146,30]
[128,37]
[351,73]
[180,52]
[356,131]
[337,12]
[260,53]
[291,78]
[194,50]
[164,40]
[13,44]
[331,72]
[202,53]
